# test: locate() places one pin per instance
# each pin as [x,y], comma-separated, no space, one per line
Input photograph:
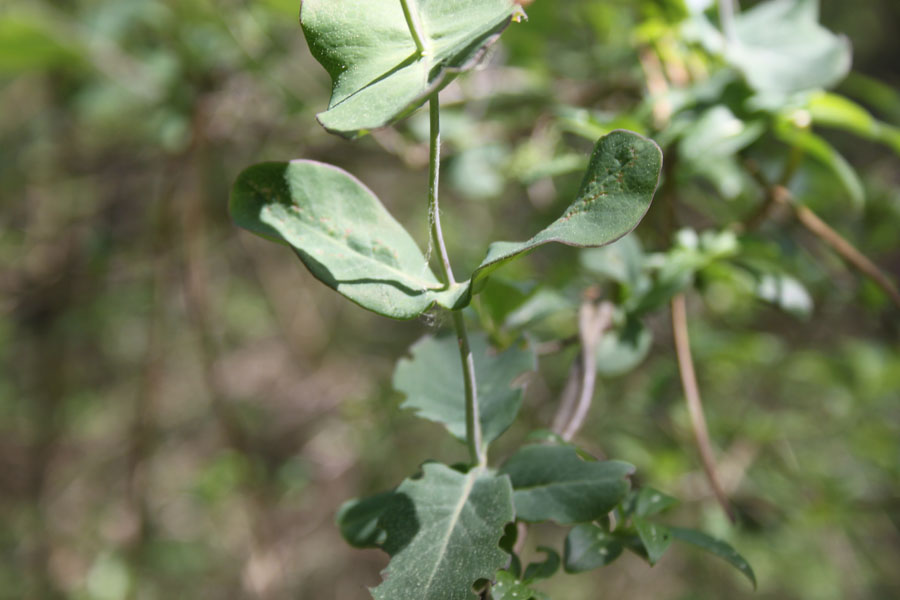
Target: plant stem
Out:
[415,27]
[473,421]
[694,403]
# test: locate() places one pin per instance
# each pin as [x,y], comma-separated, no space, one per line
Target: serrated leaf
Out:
[443,532]
[655,537]
[432,381]
[615,194]
[713,546]
[507,587]
[553,483]
[378,75]
[588,547]
[341,232]
[544,569]
[358,520]
[780,47]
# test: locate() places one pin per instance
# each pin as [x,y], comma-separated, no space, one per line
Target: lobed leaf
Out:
[554,483]
[378,76]
[443,532]
[432,381]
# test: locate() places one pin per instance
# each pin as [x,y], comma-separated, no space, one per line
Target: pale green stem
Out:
[473,420]
[415,26]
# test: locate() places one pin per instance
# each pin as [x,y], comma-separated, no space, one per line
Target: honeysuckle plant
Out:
[454,531]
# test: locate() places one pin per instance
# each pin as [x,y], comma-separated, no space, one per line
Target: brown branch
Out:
[694,403]
[779,195]
[593,321]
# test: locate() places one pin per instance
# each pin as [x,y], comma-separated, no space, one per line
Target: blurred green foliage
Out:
[182,407]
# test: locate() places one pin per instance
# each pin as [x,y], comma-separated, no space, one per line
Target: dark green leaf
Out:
[340,231]
[358,520]
[433,383]
[545,569]
[649,502]
[553,483]
[655,537]
[589,547]
[378,76]
[443,532]
[508,587]
[714,546]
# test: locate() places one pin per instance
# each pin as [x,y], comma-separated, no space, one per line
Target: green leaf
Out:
[655,537]
[615,194]
[545,569]
[507,587]
[358,520]
[714,546]
[622,349]
[553,483]
[622,261]
[433,383]
[340,231]
[819,149]
[588,547]
[649,501]
[832,110]
[443,532]
[780,47]
[35,43]
[378,76]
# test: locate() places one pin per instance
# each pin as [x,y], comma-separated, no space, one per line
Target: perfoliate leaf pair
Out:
[348,240]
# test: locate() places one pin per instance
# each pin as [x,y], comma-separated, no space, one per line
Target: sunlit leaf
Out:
[443,532]
[378,76]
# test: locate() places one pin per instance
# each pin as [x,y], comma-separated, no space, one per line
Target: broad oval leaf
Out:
[717,547]
[588,547]
[780,47]
[615,194]
[378,75]
[432,381]
[341,232]
[446,535]
[554,483]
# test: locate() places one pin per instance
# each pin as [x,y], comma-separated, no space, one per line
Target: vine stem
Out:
[415,26]
[477,451]
[694,403]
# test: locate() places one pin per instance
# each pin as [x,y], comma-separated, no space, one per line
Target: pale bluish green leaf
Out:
[378,76]
[341,232]
[714,546]
[655,537]
[780,47]
[622,349]
[432,381]
[588,547]
[785,292]
[554,483]
[443,532]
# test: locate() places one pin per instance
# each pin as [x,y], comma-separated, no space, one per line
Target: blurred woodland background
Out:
[183,407]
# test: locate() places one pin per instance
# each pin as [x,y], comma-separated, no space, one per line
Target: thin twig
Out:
[593,321]
[780,195]
[694,403]
[415,26]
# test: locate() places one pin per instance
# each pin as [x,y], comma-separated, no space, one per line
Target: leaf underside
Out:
[378,76]
[349,241]
[443,534]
